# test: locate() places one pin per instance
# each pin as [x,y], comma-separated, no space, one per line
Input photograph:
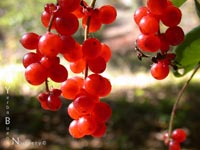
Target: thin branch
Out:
[178,100]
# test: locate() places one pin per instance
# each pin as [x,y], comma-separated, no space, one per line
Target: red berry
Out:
[105,52]
[50,44]
[100,130]
[149,25]
[96,84]
[67,25]
[101,112]
[107,14]
[74,131]
[58,73]
[71,87]
[69,5]
[30,58]
[179,135]
[174,35]
[139,14]
[171,16]
[84,104]
[36,74]
[95,22]
[97,65]
[159,70]
[148,43]
[91,48]
[174,145]
[72,112]
[87,125]
[45,19]
[157,6]
[78,66]
[30,40]
[54,102]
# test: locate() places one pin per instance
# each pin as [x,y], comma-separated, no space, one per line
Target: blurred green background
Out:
[141,105]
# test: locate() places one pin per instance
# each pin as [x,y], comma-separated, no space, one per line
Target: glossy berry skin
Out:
[50,44]
[71,87]
[149,24]
[84,104]
[139,14]
[100,130]
[58,73]
[148,43]
[54,102]
[102,112]
[35,74]
[159,70]
[97,65]
[107,14]
[97,85]
[30,40]
[171,16]
[30,58]
[69,5]
[74,131]
[91,48]
[45,19]
[67,25]
[174,35]
[87,124]
[173,145]
[72,112]
[157,6]
[179,135]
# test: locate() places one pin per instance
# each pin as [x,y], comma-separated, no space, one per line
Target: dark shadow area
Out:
[134,125]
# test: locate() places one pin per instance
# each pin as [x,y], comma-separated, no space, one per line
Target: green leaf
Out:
[178,3]
[188,53]
[197,6]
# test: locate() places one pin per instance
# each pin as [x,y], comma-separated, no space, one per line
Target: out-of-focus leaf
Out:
[178,3]
[197,6]
[188,53]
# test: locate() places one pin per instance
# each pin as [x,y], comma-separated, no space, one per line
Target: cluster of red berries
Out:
[178,136]
[42,63]
[152,20]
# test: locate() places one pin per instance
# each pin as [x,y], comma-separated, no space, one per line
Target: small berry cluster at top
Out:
[151,19]
[178,136]
[42,63]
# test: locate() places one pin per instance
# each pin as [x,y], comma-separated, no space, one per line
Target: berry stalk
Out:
[178,100]
[86,33]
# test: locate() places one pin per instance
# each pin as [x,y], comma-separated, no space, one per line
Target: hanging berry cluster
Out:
[178,136]
[42,63]
[151,19]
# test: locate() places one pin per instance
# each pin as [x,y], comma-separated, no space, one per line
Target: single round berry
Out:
[30,40]
[96,84]
[139,14]
[171,16]
[159,70]
[36,74]
[148,43]
[174,35]
[174,145]
[87,125]
[50,44]
[102,112]
[157,6]
[74,131]
[30,58]
[149,25]
[179,135]
[107,14]
[91,48]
